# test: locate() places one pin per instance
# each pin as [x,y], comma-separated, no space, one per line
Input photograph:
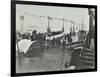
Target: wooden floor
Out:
[51,59]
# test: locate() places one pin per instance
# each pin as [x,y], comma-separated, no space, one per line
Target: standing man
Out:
[69,39]
[34,35]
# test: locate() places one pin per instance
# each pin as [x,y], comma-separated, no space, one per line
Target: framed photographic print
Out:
[52,38]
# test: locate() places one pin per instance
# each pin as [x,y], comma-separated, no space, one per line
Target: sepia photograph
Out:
[54,38]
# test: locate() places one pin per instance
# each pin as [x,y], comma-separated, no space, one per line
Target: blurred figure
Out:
[34,35]
[63,45]
[53,41]
[29,36]
[42,43]
[58,42]
[69,39]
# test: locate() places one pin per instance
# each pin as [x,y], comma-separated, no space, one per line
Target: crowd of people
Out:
[41,37]
[61,41]
[34,36]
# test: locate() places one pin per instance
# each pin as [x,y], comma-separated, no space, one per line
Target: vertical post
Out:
[88,39]
[19,54]
[48,22]
[48,27]
[49,31]
[63,25]
[63,22]
[63,53]
[61,61]
[22,24]
[63,48]
[71,26]
[74,29]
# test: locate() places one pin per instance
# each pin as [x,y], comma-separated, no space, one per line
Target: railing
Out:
[78,42]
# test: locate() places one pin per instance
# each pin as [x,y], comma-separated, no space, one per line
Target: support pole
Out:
[19,54]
